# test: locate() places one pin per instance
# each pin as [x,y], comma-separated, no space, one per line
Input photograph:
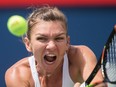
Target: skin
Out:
[49,38]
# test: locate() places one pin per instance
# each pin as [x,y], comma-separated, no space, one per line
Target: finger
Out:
[77,85]
[101,85]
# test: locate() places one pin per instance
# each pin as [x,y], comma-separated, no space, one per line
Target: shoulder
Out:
[81,52]
[82,59]
[81,48]
[18,74]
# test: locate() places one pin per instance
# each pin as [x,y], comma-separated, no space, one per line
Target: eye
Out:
[59,39]
[42,39]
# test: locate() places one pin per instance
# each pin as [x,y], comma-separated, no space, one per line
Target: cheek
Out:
[38,48]
[62,50]
[63,47]
[38,51]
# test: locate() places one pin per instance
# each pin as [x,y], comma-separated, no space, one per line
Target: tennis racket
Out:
[107,62]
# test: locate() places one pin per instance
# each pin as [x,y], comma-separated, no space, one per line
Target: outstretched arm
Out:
[86,62]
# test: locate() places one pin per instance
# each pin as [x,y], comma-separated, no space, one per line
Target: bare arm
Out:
[13,79]
[87,61]
[84,60]
[18,75]
[90,62]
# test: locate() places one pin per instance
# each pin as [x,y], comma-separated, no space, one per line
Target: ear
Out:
[27,44]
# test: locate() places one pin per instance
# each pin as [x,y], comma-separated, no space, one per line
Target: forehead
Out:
[49,27]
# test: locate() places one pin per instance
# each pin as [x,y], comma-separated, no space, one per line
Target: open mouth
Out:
[50,58]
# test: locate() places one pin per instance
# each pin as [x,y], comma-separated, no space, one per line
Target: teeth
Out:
[51,55]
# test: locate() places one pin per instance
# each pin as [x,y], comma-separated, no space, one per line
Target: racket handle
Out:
[84,85]
[90,85]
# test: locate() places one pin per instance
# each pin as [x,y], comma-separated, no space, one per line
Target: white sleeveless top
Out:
[67,81]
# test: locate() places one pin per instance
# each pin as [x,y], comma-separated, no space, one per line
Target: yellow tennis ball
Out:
[17,25]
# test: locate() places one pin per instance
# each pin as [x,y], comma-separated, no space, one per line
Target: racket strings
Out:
[110,65]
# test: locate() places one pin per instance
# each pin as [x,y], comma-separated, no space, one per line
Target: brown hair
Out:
[45,13]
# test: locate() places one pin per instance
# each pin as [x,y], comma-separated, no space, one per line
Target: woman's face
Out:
[48,44]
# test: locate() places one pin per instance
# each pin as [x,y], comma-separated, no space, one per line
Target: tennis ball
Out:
[17,25]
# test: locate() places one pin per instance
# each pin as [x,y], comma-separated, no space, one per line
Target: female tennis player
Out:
[54,62]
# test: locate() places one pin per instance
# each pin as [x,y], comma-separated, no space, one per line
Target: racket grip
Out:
[90,85]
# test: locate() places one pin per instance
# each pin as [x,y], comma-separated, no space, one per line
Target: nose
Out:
[51,46]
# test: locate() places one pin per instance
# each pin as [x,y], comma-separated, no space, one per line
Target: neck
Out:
[42,72]
[51,80]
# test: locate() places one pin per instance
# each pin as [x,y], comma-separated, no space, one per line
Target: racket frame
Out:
[101,61]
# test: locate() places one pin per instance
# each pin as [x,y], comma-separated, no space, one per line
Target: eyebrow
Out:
[61,34]
[56,35]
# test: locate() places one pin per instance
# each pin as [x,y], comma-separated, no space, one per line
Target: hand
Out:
[77,85]
[101,85]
